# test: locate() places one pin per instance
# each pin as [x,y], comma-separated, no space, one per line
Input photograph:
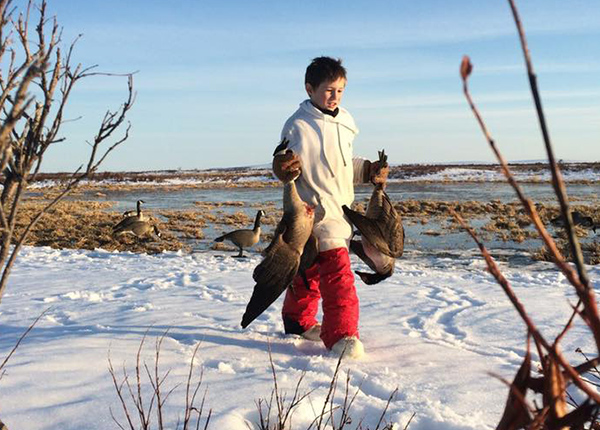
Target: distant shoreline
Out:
[525,172]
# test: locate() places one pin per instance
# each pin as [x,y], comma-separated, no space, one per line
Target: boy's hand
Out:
[287,166]
[378,173]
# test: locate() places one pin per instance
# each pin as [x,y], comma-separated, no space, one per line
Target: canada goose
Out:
[282,257]
[137,212]
[382,234]
[138,228]
[578,219]
[130,217]
[582,220]
[244,238]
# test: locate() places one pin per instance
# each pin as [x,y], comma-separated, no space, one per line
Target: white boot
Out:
[313,333]
[349,347]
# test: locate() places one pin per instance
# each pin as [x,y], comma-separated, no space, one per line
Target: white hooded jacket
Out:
[324,145]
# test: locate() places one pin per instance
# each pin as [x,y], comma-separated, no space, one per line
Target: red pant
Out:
[332,279]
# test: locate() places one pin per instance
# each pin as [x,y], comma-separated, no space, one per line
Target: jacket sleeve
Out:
[362,170]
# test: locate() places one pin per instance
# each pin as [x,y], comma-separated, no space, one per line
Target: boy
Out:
[320,135]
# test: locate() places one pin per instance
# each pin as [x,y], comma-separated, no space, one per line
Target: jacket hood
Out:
[343,117]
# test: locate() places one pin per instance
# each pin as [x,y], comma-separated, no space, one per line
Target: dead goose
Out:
[282,257]
[244,238]
[382,234]
[138,228]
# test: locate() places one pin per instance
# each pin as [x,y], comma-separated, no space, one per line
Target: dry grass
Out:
[591,252]
[80,224]
[88,225]
[186,223]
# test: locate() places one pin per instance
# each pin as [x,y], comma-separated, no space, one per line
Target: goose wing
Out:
[357,248]
[369,228]
[308,258]
[373,278]
[243,237]
[390,224]
[125,224]
[272,276]
[140,228]
[369,278]
[385,231]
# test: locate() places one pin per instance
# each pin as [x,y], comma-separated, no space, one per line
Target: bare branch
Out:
[31,326]
[119,389]
[585,293]
[568,324]
[557,182]
[503,282]
[111,122]
[387,405]
[20,104]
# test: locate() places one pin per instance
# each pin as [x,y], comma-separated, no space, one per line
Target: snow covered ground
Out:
[450,173]
[463,174]
[434,330]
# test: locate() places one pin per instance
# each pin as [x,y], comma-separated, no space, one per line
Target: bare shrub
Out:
[143,398]
[276,412]
[36,80]
[557,372]
[144,391]
[34,91]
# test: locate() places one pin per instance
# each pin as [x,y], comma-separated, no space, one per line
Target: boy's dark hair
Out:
[322,69]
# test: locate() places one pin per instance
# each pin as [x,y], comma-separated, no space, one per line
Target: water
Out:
[483,192]
[418,235]
[184,198]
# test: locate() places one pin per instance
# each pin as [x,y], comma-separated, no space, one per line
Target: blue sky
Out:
[217,79]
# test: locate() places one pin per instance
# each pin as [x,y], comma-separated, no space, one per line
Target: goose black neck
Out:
[257,220]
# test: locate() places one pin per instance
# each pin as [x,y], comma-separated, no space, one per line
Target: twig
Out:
[512,389]
[568,324]
[25,333]
[144,400]
[119,389]
[557,181]
[189,402]
[503,282]
[409,420]
[285,408]
[529,207]
[586,293]
[387,405]
[332,385]
[139,399]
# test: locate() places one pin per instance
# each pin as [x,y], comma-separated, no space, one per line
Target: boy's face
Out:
[328,95]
